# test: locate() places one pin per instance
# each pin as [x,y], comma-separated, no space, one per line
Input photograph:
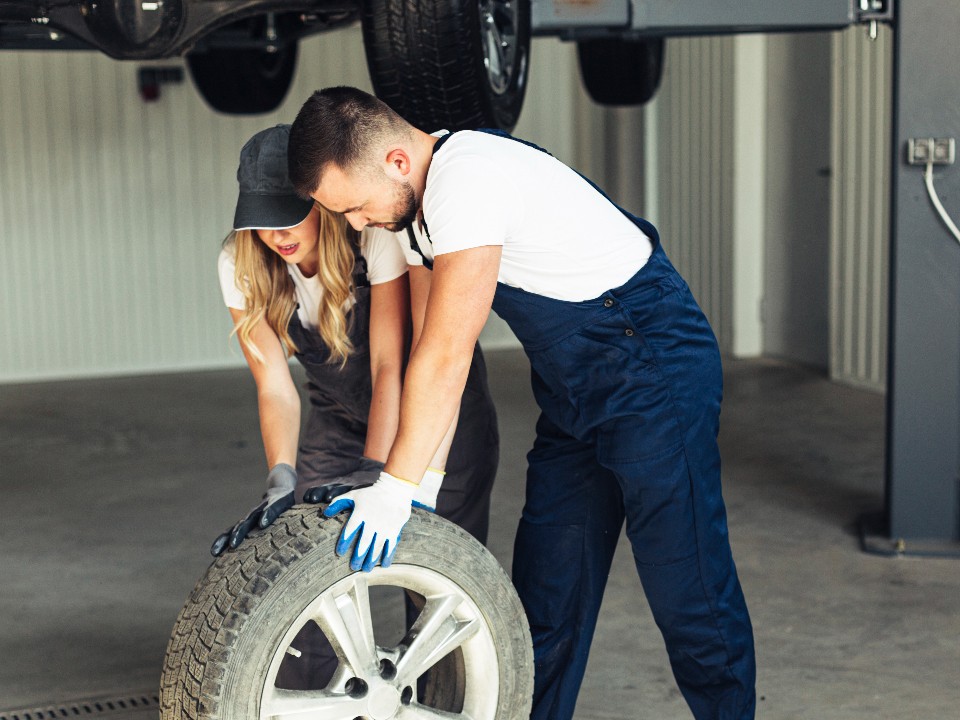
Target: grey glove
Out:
[366,474]
[279,497]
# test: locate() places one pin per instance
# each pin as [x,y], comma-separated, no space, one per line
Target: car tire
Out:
[448,63]
[470,647]
[244,81]
[621,71]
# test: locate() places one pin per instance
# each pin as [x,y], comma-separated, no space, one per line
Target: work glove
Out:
[378,514]
[366,474]
[426,495]
[279,497]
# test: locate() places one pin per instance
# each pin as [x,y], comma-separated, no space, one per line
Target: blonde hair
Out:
[270,295]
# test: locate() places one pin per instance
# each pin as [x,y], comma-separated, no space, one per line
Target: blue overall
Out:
[629,387]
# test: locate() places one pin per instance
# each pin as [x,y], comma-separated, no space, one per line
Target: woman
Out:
[297,279]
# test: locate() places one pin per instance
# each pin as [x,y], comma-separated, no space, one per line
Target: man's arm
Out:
[461,294]
[460,297]
[420,281]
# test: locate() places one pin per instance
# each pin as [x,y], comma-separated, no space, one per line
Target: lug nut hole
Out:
[356,688]
[388,671]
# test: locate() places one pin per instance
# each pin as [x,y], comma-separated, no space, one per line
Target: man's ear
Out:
[399,164]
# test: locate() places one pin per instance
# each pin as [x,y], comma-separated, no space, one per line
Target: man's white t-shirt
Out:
[385,262]
[561,238]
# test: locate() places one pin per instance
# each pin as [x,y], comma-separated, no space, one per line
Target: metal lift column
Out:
[923,413]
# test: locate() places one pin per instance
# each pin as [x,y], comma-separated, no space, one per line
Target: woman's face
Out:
[297,244]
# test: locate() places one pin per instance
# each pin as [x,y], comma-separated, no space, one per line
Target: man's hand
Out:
[378,514]
[279,497]
[366,474]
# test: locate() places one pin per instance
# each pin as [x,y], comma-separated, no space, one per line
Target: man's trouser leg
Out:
[565,542]
[666,458]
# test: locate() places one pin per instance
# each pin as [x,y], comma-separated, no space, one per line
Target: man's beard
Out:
[406,208]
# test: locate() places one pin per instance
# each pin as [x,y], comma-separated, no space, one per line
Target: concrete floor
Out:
[112,490]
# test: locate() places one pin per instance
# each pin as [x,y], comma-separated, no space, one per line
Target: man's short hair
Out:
[338,125]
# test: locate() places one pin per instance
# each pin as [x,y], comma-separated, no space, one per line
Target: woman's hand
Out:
[279,497]
[366,474]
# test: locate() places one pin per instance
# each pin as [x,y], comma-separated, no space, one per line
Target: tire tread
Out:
[209,626]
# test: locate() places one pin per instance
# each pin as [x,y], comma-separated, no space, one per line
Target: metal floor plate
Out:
[129,706]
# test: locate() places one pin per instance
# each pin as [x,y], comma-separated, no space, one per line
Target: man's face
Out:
[368,200]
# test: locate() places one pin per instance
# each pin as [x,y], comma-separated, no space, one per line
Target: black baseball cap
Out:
[267,199]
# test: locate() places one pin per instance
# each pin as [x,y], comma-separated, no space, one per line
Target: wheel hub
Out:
[383,703]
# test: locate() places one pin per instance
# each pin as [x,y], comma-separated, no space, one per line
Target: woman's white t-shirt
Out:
[385,262]
[561,238]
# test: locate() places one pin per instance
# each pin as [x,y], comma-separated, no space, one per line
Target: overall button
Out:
[628,332]
[608,303]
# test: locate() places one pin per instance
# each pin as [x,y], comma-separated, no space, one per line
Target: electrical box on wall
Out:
[933,151]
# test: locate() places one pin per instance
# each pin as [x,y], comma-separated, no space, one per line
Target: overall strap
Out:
[414,245]
[360,277]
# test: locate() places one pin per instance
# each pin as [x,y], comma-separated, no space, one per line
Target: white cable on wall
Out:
[935,199]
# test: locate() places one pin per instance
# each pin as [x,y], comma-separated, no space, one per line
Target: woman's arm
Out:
[277,397]
[389,313]
[279,406]
[419,292]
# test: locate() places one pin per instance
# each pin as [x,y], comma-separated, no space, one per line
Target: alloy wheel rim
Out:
[378,682]
[503,57]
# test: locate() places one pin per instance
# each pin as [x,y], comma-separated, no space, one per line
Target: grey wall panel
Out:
[113,209]
[695,131]
[610,150]
[860,191]
[797,188]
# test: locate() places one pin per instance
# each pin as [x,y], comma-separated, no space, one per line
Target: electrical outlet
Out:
[935,151]
[943,151]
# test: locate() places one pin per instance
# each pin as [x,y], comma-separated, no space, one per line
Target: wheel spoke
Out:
[434,634]
[345,620]
[497,51]
[309,705]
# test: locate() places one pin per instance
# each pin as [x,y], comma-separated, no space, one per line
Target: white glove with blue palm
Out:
[379,513]
[426,495]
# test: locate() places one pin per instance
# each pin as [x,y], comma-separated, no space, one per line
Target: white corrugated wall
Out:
[695,130]
[112,210]
[860,195]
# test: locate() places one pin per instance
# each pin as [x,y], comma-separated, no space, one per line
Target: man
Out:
[625,369]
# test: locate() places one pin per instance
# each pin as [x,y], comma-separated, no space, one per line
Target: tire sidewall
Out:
[294,587]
